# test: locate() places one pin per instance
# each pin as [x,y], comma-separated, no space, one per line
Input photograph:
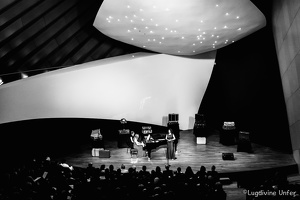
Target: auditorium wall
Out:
[286,27]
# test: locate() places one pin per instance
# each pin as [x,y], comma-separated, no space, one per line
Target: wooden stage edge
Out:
[261,161]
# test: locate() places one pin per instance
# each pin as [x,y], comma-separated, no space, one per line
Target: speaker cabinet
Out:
[201,140]
[173,117]
[95,152]
[244,144]
[200,128]
[104,153]
[227,156]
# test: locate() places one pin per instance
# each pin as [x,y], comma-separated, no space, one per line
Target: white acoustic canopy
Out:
[178,27]
[138,87]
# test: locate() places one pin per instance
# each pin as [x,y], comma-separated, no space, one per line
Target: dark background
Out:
[245,87]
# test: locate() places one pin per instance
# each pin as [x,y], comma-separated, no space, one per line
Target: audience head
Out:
[144,168]
[158,169]
[213,168]
[202,169]
[156,180]
[179,169]
[189,169]
[102,167]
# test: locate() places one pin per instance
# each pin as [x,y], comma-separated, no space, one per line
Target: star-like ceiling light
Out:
[178,27]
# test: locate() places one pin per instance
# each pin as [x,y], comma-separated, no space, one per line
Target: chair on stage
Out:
[133,152]
[131,149]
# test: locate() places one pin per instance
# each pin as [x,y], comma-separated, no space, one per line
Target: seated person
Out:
[138,144]
[214,174]
[168,173]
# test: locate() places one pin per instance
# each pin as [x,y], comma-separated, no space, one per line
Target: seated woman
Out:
[138,144]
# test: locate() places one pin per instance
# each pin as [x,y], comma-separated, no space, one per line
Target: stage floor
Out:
[194,155]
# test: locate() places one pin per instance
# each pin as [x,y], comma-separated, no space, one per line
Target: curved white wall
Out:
[141,87]
[286,16]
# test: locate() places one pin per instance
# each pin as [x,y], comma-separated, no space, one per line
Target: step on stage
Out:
[262,159]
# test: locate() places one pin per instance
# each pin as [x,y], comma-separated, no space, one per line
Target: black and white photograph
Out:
[149,99]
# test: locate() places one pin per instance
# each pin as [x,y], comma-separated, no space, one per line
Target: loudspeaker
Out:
[201,140]
[123,138]
[104,153]
[244,144]
[173,117]
[227,156]
[95,152]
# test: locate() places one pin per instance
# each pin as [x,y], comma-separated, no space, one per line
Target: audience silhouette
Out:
[51,180]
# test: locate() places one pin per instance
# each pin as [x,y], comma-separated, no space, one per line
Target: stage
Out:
[263,159]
